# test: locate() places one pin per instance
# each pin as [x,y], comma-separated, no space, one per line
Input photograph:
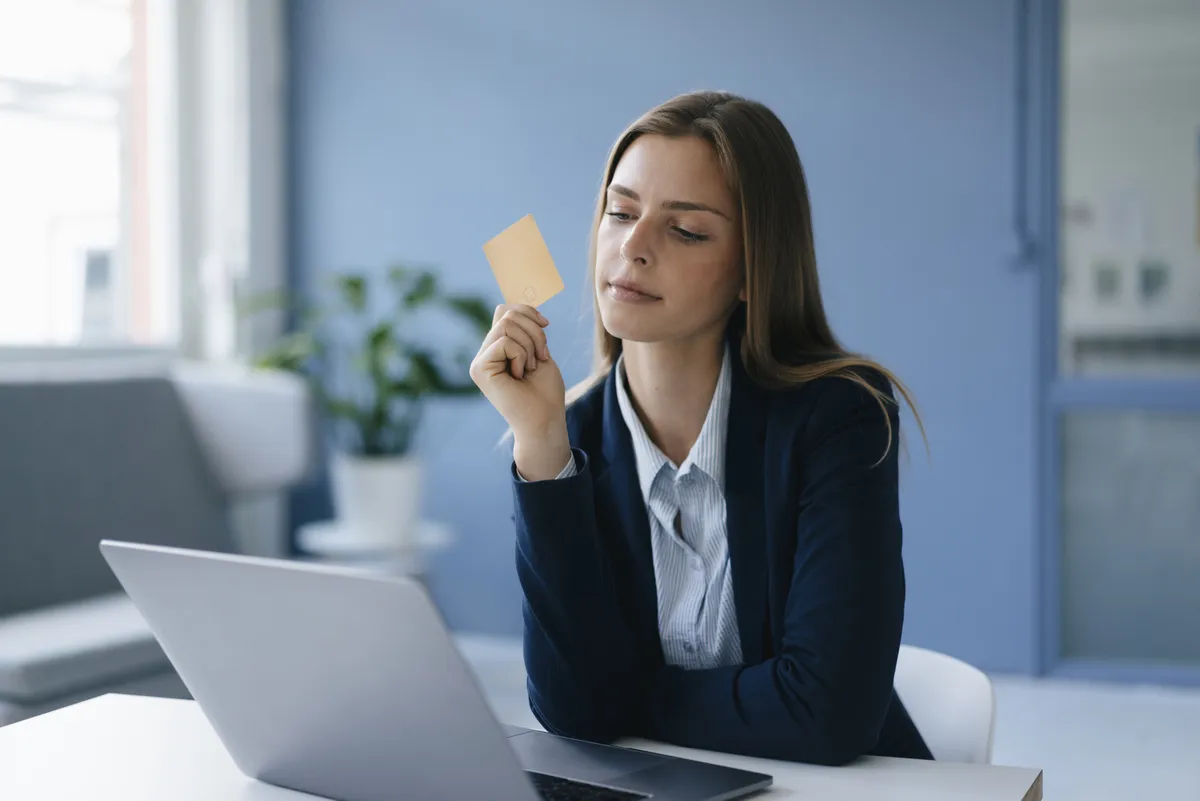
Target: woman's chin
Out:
[634,325]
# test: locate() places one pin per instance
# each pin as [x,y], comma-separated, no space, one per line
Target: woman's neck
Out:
[671,385]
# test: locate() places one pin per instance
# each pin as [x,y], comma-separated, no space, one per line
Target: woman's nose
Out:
[636,247]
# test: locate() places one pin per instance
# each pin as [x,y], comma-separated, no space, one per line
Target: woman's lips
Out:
[629,292]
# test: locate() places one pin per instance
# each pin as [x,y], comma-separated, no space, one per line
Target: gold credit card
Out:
[522,264]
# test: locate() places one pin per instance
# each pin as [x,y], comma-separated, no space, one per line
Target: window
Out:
[84,256]
[1130,151]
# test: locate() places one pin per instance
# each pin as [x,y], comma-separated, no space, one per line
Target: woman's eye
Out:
[690,236]
[619,215]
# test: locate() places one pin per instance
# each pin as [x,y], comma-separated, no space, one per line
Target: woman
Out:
[708,535]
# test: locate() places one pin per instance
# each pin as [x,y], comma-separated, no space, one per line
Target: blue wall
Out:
[422,129]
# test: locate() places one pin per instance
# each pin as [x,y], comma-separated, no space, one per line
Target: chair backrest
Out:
[84,459]
[951,703]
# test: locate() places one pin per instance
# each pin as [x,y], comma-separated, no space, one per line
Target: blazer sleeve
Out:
[823,698]
[580,657]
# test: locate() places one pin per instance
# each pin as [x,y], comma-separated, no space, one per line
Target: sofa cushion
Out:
[70,647]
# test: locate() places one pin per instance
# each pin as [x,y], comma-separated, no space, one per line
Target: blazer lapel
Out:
[620,507]
[745,521]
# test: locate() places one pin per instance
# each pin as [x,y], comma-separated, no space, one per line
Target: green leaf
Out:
[344,410]
[353,289]
[308,314]
[380,336]
[423,290]
[474,309]
[381,345]
[292,352]
[426,378]
[424,372]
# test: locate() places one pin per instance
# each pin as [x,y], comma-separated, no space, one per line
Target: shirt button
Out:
[691,649]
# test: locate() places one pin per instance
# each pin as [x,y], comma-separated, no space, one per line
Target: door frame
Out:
[1058,395]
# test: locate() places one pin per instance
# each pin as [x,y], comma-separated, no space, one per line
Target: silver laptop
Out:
[345,684]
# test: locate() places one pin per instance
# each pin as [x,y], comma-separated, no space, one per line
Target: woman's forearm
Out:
[579,653]
[540,455]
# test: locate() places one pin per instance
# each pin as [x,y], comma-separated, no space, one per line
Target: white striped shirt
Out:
[697,620]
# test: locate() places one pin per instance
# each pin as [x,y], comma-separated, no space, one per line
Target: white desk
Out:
[130,748]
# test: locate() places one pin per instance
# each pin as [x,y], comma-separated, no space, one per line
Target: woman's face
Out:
[668,250]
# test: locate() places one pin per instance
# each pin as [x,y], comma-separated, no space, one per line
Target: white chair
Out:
[952,704]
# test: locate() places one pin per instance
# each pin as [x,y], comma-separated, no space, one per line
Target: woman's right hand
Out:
[516,374]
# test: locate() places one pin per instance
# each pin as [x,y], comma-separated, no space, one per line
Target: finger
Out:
[533,329]
[514,331]
[531,313]
[520,308]
[499,328]
[505,355]
[510,319]
[523,330]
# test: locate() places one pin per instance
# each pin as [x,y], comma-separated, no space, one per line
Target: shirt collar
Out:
[708,452]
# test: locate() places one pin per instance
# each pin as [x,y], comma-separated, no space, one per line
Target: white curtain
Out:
[231,170]
[231,118]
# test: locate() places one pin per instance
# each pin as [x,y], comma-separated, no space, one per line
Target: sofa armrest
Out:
[255,426]
[64,648]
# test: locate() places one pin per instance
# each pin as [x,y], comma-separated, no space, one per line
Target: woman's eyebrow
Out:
[675,205]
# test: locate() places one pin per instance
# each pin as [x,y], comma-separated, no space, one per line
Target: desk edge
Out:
[1035,789]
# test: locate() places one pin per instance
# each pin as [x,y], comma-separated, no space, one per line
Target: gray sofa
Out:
[144,450]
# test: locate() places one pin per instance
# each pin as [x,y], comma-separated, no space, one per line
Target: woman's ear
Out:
[742,294]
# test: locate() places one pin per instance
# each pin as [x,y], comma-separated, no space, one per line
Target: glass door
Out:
[1124,400]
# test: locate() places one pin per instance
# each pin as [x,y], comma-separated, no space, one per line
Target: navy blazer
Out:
[814,543]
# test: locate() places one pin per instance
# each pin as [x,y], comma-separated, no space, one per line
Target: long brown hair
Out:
[787,340]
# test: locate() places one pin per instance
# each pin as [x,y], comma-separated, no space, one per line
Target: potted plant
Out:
[370,373]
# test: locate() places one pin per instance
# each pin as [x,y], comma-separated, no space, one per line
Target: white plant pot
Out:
[377,500]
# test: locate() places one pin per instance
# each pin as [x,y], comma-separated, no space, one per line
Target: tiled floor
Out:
[1095,742]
